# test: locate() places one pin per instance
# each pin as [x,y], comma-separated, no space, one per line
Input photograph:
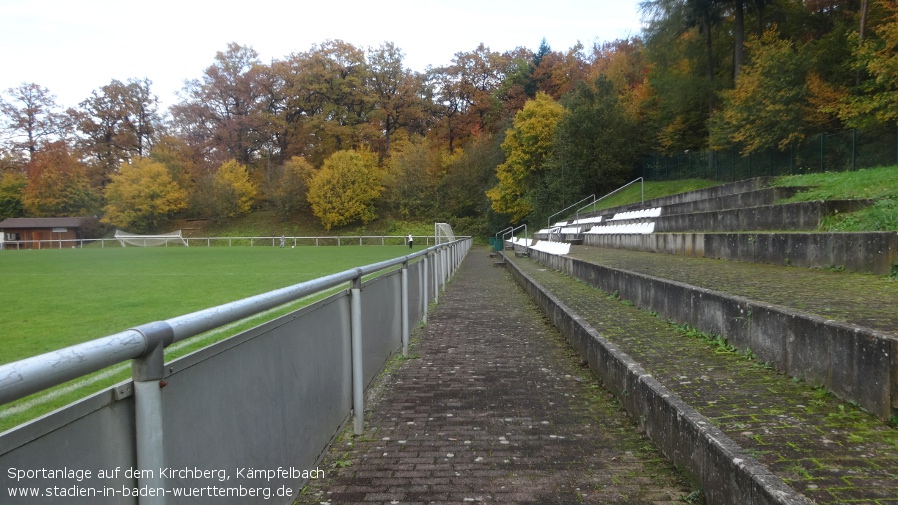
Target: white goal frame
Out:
[137,240]
[442,232]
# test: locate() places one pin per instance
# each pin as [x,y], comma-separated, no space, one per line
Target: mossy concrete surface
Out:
[827,450]
[864,300]
[853,353]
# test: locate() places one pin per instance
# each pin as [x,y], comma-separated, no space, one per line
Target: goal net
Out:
[442,233]
[136,240]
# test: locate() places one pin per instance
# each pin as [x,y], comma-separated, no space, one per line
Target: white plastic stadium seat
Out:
[556,248]
[637,214]
[623,229]
[589,220]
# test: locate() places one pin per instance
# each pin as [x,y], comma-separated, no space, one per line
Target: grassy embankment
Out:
[878,184]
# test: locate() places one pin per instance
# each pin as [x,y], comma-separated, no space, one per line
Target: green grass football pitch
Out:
[51,299]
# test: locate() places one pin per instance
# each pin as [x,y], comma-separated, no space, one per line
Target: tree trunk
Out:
[857,73]
[739,38]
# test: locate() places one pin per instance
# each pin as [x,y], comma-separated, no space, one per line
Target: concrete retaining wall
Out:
[873,252]
[732,188]
[759,198]
[755,198]
[855,363]
[791,216]
[724,472]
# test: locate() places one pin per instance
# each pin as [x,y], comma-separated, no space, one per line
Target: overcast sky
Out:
[73,47]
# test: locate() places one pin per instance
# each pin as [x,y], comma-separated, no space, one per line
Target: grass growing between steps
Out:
[653,189]
[879,184]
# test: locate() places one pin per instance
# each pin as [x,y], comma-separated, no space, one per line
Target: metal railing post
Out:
[436,275]
[404,296]
[358,380]
[450,257]
[425,298]
[444,272]
[147,371]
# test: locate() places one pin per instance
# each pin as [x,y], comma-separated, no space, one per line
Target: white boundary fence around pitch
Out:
[346,240]
[242,421]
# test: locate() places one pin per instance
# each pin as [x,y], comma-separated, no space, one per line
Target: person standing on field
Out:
[410,240]
[283,240]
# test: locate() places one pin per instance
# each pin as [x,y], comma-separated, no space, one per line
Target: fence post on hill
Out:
[404,297]
[358,380]
[147,372]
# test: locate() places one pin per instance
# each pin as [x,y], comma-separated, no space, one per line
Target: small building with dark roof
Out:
[43,232]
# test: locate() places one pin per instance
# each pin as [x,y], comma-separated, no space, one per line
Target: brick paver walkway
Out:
[493,407]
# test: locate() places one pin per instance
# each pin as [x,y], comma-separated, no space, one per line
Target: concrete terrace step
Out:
[835,329]
[754,198]
[758,198]
[827,450]
[866,252]
[798,216]
[723,190]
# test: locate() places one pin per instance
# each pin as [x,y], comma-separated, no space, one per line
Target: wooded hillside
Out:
[348,133]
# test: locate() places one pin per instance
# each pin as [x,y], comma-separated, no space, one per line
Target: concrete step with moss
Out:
[828,450]
[864,252]
[863,300]
[722,190]
[746,199]
[835,329]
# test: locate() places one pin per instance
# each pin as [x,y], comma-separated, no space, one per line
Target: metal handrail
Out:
[30,375]
[503,231]
[78,243]
[615,191]
[549,220]
[524,226]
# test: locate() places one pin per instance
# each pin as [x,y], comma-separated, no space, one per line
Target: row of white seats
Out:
[525,242]
[552,247]
[637,214]
[636,228]
[588,220]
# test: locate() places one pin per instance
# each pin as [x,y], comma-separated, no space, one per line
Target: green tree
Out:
[58,185]
[769,106]
[877,58]
[141,195]
[596,148]
[11,187]
[462,189]
[528,145]
[345,189]
[411,177]
[289,185]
